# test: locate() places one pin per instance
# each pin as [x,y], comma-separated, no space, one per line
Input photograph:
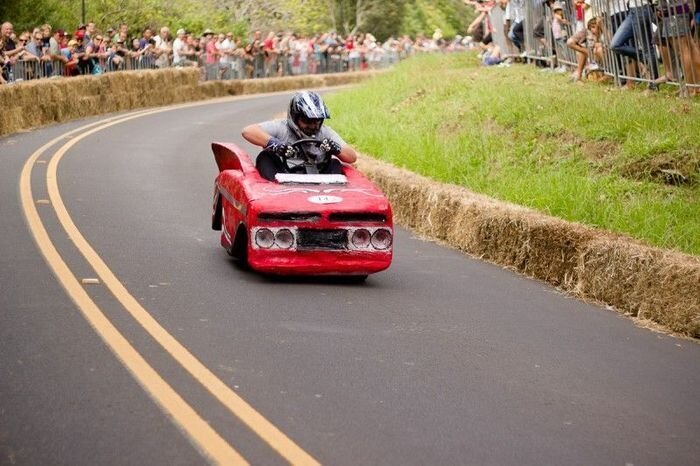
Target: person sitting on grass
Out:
[492,55]
[587,44]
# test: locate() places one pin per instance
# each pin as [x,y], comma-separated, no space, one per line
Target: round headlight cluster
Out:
[381,239]
[284,238]
[265,238]
[360,238]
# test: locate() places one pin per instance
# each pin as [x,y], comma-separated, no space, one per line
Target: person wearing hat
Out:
[559,23]
[211,54]
[179,45]
[70,53]
[79,52]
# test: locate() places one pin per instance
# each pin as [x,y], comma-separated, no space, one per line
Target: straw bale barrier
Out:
[37,103]
[650,283]
[636,279]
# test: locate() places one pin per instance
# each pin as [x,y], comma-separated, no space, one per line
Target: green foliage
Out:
[424,16]
[588,154]
[383,19]
[138,14]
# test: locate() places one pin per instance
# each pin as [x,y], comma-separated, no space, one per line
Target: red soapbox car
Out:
[300,224]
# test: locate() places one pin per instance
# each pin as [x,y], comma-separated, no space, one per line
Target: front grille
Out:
[333,240]
[289,217]
[347,217]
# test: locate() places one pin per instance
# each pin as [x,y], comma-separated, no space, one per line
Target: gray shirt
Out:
[280,130]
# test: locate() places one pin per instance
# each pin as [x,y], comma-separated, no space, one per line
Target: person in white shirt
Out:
[163,48]
[225,47]
[180,57]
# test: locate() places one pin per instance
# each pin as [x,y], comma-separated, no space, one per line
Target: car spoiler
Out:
[229,156]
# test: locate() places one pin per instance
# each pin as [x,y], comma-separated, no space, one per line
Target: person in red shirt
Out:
[211,57]
[581,7]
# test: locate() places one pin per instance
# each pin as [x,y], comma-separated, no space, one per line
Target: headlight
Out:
[360,238]
[381,239]
[264,238]
[284,239]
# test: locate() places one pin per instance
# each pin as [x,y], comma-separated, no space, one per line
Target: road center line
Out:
[275,438]
[205,439]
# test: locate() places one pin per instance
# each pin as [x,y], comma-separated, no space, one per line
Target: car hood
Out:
[301,197]
[359,195]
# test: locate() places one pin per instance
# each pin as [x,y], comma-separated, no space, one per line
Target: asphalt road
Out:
[442,359]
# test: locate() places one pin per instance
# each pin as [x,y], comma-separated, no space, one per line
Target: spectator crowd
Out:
[630,41]
[47,52]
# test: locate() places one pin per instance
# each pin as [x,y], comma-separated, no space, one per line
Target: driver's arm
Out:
[254,134]
[347,154]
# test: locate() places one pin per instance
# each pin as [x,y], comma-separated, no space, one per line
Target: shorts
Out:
[490,61]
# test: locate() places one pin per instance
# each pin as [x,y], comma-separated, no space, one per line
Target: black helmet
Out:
[308,105]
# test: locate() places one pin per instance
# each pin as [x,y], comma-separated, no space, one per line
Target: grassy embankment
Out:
[618,160]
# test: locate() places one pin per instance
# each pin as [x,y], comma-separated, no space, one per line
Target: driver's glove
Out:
[330,147]
[280,149]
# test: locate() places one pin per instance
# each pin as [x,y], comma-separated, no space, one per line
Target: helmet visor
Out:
[309,126]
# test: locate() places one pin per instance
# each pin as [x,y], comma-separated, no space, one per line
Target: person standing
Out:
[163,48]
[633,39]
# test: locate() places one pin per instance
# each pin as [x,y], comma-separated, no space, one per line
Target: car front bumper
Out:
[318,262]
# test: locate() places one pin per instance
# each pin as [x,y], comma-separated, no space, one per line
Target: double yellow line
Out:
[203,437]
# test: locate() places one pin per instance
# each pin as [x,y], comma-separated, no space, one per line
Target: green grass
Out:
[587,153]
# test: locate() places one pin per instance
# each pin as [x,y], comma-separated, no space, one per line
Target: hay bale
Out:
[507,234]
[77,97]
[655,284]
[646,282]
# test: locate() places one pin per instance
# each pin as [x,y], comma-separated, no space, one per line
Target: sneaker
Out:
[593,66]
[561,69]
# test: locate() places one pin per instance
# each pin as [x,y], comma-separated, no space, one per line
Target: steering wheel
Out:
[304,146]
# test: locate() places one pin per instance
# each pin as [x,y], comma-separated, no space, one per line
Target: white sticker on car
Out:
[325,199]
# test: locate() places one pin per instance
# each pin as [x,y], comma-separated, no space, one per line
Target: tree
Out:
[381,18]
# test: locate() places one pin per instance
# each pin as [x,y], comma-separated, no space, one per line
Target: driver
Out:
[304,120]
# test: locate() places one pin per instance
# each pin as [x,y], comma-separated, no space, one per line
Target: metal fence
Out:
[638,41]
[243,66]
